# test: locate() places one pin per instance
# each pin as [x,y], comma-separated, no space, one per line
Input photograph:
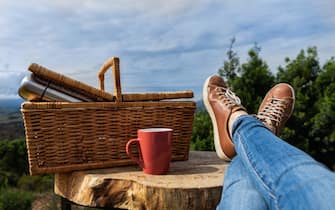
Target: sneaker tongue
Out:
[218,81]
[268,122]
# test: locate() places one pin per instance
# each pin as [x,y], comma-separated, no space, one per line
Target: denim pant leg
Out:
[287,177]
[239,193]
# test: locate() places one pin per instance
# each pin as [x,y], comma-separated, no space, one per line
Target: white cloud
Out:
[177,41]
[144,7]
[9,83]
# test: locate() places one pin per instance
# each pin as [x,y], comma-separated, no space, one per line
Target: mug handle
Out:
[130,154]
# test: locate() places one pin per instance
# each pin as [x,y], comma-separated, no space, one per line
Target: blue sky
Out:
[163,45]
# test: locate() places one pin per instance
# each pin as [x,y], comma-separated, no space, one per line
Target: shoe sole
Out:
[210,111]
[293,96]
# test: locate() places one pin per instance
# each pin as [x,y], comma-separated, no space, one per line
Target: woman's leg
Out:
[287,177]
[239,193]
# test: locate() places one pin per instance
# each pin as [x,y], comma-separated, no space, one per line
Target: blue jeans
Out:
[268,173]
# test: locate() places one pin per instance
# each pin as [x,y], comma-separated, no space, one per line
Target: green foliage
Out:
[301,73]
[323,129]
[13,157]
[15,199]
[202,136]
[13,162]
[251,80]
[314,107]
[4,176]
[254,81]
[17,190]
[231,66]
[36,183]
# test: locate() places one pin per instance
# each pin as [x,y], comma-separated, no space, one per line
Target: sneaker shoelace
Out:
[227,96]
[273,113]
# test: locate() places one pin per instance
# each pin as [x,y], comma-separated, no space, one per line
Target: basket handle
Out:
[113,62]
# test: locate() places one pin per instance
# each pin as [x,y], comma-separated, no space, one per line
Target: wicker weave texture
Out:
[65,137]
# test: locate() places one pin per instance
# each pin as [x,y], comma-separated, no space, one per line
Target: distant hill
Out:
[11,104]
[11,123]
[200,105]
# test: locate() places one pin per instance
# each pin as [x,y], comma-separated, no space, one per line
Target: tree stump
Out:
[192,184]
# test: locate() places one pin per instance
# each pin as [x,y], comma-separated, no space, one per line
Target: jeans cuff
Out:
[238,121]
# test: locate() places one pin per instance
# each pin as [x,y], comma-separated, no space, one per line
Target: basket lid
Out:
[70,83]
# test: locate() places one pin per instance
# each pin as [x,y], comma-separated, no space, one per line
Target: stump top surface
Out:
[203,171]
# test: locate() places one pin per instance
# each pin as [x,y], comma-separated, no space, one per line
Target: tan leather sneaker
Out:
[220,103]
[277,107]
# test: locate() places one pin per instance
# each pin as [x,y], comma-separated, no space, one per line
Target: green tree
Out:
[323,122]
[13,157]
[231,65]
[42,183]
[13,162]
[251,80]
[202,135]
[301,73]
[15,199]
[254,81]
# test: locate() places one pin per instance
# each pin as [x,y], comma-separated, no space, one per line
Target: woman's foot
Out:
[277,107]
[223,107]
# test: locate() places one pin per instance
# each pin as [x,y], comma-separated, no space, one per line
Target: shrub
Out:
[11,199]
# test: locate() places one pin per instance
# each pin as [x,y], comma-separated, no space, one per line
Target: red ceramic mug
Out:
[155,145]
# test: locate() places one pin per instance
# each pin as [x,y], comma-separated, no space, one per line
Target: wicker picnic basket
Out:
[68,136]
